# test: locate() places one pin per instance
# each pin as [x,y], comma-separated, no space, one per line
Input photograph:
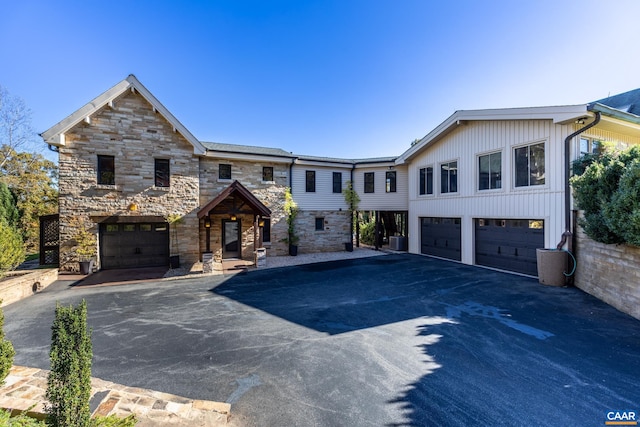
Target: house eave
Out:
[558,115]
[56,134]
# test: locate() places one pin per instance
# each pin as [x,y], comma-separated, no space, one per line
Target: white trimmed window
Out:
[529,165]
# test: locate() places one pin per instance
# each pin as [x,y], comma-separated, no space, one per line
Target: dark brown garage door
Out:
[441,237]
[134,245]
[509,244]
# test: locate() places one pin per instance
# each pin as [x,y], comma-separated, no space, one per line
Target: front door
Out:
[230,239]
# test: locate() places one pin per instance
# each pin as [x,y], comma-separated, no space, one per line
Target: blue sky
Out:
[345,78]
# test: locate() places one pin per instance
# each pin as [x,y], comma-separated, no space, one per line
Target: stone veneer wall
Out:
[332,238]
[609,272]
[270,193]
[136,135]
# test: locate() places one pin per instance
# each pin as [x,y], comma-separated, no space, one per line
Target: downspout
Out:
[353,213]
[293,160]
[567,235]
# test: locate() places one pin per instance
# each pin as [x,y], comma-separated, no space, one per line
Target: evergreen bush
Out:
[6,352]
[12,252]
[604,188]
[69,382]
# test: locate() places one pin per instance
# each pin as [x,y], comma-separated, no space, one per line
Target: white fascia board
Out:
[328,164]
[223,155]
[374,165]
[558,114]
[53,135]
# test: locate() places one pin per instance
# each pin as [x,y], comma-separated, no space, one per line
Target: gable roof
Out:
[56,134]
[246,149]
[559,114]
[243,193]
[628,102]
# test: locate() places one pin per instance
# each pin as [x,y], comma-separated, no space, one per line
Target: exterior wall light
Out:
[207,222]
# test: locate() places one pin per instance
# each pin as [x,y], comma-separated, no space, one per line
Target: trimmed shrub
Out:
[368,232]
[6,352]
[12,253]
[69,382]
[611,211]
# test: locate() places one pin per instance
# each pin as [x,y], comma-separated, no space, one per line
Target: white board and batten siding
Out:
[380,200]
[323,198]
[464,145]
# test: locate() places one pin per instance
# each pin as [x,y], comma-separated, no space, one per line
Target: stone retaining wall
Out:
[609,272]
[24,285]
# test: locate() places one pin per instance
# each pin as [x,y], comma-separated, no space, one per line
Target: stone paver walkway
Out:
[25,389]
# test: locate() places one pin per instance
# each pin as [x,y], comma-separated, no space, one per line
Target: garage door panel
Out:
[509,244]
[441,237]
[134,245]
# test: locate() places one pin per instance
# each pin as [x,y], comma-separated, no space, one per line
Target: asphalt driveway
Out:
[385,341]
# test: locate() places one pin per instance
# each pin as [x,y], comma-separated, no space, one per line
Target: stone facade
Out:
[332,237]
[135,135]
[610,273]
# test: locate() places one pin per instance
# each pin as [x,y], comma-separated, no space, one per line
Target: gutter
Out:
[567,235]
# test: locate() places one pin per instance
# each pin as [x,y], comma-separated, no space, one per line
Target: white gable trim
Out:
[559,115]
[55,135]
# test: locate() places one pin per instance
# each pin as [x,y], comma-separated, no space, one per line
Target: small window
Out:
[112,228]
[449,177]
[589,146]
[266,230]
[319,224]
[337,182]
[106,170]
[129,227]
[529,165]
[267,173]
[310,181]
[490,171]
[145,227]
[390,182]
[162,172]
[224,172]
[369,181]
[160,227]
[426,181]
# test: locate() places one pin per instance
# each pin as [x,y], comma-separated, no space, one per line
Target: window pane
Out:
[112,227]
[391,182]
[369,179]
[145,227]
[496,170]
[129,227]
[423,181]
[337,182]
[224,172]
[310,181]
[267,173]
[484,172]
[453,177]
[162,172]
[444,178]
[429,180]
[584,146]
[106,170]
[319,224]
[522,166]
[536,164]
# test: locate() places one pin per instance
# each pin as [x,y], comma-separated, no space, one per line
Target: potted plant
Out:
[352,199]
[174,257]
[86,245]
[291,210]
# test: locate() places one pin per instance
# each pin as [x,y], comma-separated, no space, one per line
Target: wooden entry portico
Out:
[230,212]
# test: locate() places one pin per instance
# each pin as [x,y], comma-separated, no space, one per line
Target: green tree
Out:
[32,180]
[6,352]
[12,252]
[69,382]
[8,208]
